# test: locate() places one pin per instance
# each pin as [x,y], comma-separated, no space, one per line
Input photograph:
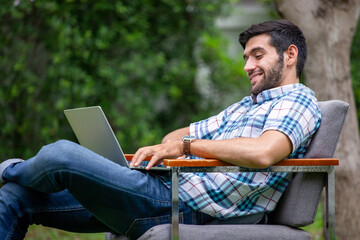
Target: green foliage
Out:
[355,67]
[136,59]
[272,9]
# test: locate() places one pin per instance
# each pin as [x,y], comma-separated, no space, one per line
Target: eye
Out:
[258,56]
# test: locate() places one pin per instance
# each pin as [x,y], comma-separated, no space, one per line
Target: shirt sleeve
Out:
[206,129]
[298,117]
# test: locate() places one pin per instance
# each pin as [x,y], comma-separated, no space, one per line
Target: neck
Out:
[289,77]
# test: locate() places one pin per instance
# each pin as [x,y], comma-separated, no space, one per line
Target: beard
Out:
[270,79]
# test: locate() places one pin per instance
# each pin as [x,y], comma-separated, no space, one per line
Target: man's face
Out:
[263,65]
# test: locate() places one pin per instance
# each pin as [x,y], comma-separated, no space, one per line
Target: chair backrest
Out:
[298,205]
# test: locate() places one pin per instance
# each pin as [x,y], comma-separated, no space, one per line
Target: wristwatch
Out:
[187,140]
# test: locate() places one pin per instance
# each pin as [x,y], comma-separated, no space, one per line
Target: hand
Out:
[158,152]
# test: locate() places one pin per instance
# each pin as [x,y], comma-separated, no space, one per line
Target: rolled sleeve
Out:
[207,128]
[297,118]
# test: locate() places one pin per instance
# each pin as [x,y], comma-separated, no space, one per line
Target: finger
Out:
[154,161]
[141,155]
[135,157]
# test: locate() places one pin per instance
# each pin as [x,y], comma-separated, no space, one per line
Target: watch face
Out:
[188,138]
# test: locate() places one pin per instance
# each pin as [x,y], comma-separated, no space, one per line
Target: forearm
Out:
[176,135]
[259,152]
[230,150]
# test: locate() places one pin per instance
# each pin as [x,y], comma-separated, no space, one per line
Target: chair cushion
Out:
[230,232]
[298,205]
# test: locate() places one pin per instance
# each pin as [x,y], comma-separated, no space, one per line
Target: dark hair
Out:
[283,33]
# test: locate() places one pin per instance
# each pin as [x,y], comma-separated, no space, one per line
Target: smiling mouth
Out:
[255,74]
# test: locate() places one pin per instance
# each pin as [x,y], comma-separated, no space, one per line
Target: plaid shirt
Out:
[290,109]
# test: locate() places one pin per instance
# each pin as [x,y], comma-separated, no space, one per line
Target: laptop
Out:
[93,131]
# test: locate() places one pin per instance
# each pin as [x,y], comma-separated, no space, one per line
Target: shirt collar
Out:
[273,93]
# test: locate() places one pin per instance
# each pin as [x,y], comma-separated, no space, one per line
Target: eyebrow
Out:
[253,50]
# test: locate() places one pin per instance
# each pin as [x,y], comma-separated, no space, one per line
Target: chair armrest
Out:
[216,163]
[219,163]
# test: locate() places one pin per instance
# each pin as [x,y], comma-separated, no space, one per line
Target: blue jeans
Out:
[68,187]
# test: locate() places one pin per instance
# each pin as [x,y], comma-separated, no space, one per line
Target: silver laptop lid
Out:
[94,132]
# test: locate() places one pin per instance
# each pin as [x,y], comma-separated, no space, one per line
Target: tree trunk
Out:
[329,27]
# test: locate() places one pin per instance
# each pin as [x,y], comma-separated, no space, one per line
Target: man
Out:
[69,187]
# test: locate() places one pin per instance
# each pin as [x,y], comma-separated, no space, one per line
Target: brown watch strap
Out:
[187,140]
[187,148]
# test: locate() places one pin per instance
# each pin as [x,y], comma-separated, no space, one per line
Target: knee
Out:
[56,153]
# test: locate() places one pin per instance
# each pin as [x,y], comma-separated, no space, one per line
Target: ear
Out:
[291,55]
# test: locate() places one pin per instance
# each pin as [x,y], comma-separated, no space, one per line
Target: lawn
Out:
[37,232]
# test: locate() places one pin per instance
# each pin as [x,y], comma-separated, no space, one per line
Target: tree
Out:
[329,28]
[134,58]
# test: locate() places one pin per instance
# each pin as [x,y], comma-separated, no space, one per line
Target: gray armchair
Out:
[296,208]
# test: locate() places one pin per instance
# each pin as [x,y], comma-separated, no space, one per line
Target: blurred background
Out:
[153,66]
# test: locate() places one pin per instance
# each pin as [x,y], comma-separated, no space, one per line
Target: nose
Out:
[249,65]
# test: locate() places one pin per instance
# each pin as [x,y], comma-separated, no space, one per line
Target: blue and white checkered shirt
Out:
[290,109]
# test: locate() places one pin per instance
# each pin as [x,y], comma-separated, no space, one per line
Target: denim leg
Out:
[21,206]
[127,201]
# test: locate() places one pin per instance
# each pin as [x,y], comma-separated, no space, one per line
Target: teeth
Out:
[255,75]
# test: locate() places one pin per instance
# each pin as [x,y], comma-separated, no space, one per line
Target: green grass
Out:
[37,232]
